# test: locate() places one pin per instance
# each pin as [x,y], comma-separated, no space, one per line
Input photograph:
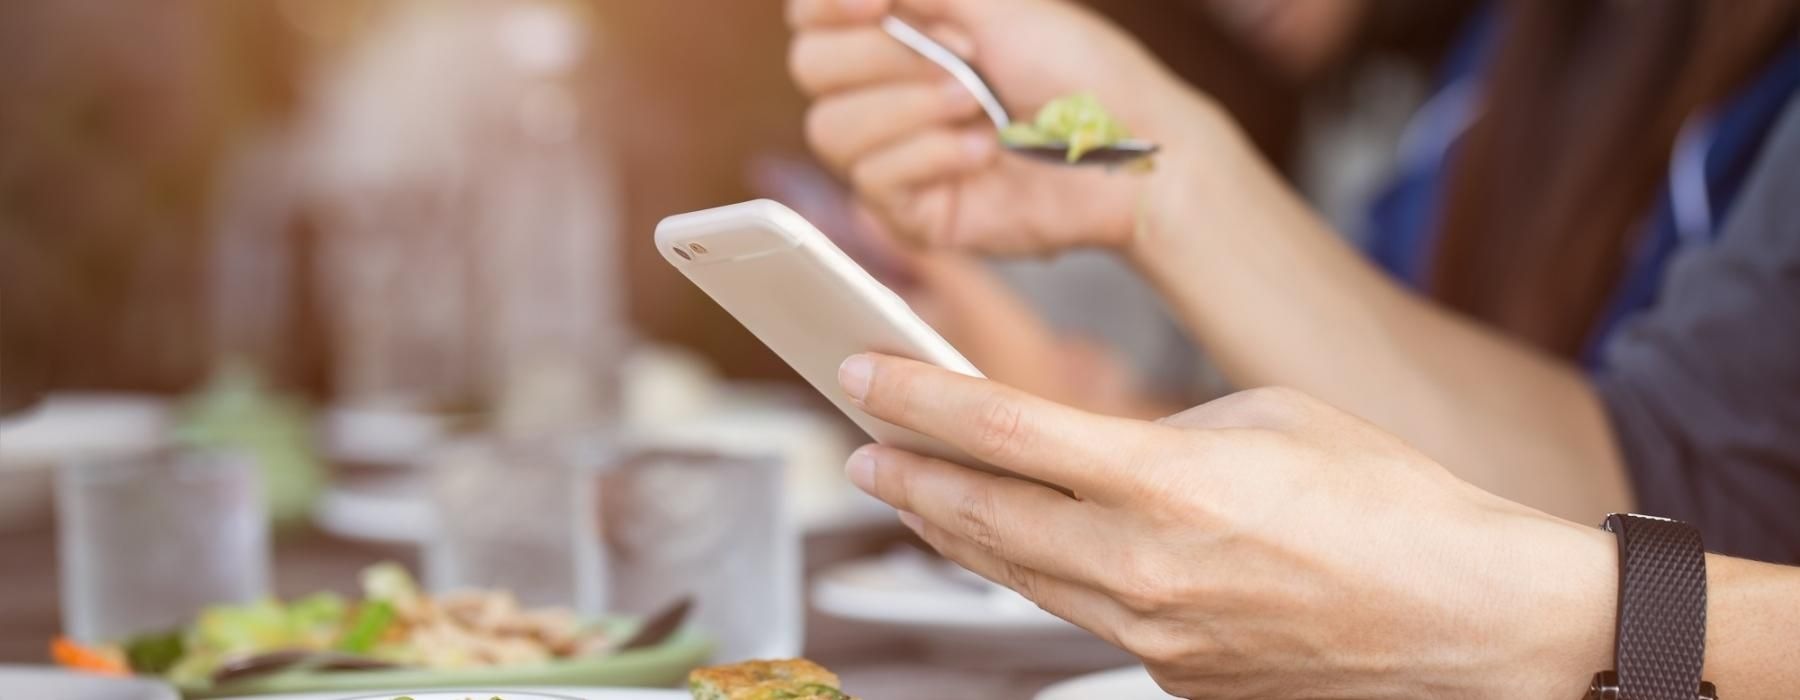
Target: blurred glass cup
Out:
[505,515]
[147,537]
[679,515]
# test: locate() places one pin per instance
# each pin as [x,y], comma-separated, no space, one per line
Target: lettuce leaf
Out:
[1077,120]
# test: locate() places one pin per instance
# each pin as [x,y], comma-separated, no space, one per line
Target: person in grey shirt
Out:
[1703,389]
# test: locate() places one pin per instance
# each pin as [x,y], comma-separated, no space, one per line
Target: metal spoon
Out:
[1121,152]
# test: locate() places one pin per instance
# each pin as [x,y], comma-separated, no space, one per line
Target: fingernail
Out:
[911,521]
[856,8]
[853,376]
[861,470]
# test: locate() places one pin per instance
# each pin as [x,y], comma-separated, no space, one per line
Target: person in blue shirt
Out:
[1574,154]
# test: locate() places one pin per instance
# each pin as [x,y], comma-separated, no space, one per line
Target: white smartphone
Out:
[809,302]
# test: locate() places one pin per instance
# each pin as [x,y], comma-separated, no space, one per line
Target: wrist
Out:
[1556,624]
[1204,187]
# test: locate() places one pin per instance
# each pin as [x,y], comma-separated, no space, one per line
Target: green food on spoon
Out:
[1077,120]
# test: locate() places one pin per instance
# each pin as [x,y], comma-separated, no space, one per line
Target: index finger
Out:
[1087,453]
[834,13]
[1018,521]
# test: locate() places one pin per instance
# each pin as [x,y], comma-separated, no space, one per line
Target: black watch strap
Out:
[1661,643]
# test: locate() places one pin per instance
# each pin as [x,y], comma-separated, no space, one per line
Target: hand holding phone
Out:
[809,302]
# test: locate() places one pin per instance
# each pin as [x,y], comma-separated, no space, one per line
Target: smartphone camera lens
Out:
[684,254]
[697,248]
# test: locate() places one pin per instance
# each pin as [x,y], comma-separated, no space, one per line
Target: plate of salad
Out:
[394,637]
[500,694]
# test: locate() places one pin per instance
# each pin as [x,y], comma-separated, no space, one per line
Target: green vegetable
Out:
[389,582]
[1077,120]
[227,631]
[236,410]
[250,627]
[314,621]
[154,653]
[371,621]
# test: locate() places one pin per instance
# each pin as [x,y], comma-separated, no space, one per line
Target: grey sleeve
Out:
[1703,389]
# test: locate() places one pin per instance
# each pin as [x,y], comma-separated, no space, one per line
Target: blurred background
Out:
[338,233]
[195,179]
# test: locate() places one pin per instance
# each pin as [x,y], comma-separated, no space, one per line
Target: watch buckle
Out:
[1606,687]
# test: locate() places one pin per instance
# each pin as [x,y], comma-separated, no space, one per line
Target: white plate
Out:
[485,693]
[959,618]
[906,587]
[35,682]
[1129,683]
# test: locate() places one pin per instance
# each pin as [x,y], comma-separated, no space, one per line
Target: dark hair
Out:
[1583,107]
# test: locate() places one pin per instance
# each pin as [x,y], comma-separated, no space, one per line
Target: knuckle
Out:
[1156,644]
[975,516]
[1144,469]
[1000,428]
[1022,580]
[1148,585]
[1141,593]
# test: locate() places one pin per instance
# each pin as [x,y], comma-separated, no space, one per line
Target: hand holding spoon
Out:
[1117,153]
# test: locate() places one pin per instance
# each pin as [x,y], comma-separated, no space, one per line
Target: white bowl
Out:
[546,694]
[50,682]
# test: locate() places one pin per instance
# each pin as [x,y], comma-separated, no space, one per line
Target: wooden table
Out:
[877,664]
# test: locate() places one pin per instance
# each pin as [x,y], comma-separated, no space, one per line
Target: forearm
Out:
[1278,298]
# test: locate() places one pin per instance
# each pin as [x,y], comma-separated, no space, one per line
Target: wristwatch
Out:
[1661,641]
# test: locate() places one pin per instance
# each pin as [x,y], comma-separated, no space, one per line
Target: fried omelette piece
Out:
[788,679]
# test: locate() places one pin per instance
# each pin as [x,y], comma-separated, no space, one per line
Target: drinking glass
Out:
[679,517]
[147,537]
[504,514]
